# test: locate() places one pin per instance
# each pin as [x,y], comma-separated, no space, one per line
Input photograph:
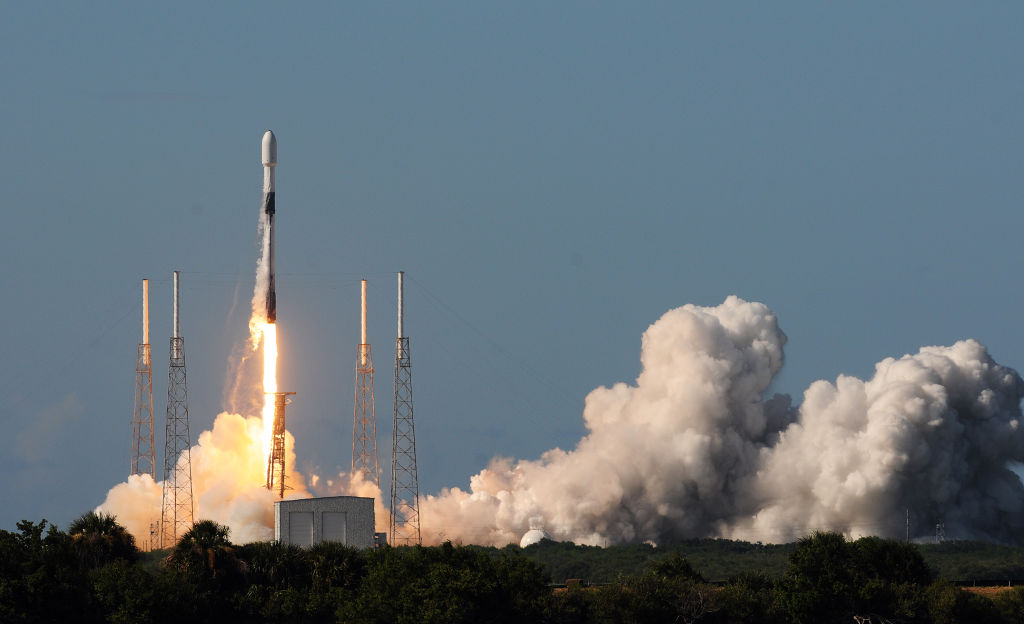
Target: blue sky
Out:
[552,177]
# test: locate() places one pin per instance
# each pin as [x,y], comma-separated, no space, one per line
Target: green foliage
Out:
[832,580]
[206,556]
[41,578]
[748,597]
[676,567]
[93,573]
[98,540]
[946,604]
[573,605]
[447,584]
[717,559]
[818,585]
[968,561]
[654,598]
[1010,604]
[273,565]
[128,593]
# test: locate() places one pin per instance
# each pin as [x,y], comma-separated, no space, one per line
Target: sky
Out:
[552,177]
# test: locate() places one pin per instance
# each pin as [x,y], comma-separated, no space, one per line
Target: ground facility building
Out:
[308,521]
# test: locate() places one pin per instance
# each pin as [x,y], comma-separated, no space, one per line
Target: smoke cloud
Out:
[228,484]
[694,448]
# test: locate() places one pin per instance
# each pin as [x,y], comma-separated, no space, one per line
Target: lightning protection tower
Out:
[143,446]
[404,528]
[275,463]
[177,510]
[364,420]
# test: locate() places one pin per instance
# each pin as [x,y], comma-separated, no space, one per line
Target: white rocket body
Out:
[269,162]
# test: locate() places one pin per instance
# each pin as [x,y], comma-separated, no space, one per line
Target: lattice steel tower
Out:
[404,528]
[177,510]
[143,446]
[364,420]
[275,463]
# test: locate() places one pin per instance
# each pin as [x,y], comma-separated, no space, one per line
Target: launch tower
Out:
[404,528]
[364,420]
[143,447]
[177,510]
[275,463]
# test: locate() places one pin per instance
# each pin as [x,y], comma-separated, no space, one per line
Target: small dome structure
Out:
[533,536]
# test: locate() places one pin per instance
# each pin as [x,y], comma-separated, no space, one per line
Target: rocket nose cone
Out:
[269,148]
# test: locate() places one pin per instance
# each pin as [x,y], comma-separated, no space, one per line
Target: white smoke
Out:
[228,484]
[695,449]
[354,484]
[262,284]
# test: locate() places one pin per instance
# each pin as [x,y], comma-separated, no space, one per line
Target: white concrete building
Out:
[308,521]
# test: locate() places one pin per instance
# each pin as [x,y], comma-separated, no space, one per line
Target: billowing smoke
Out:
[696,449]
[228,483]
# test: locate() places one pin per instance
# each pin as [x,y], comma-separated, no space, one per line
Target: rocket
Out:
[269,162]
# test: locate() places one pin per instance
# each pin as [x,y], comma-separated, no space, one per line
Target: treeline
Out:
[721,559]
[94,573]
[717,559]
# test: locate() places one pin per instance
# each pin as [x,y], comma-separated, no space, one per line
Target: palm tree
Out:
[336,565]
[275,565]
[205,551]
[99,539]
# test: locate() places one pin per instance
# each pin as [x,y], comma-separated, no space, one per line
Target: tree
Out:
[206,556]
[446,584]
[654,598]
[334,565]
[274,565]
[832,580]
[99,539]
[1011,605]
[40,577]
[748,598]
[818,584]
[947,604]
[676,567]
[889,577]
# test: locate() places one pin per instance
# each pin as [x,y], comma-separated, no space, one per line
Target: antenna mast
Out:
[143,447]
[364,420]
[177,510]
[404,527]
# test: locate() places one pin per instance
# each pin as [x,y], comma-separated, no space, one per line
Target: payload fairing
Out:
[269,162]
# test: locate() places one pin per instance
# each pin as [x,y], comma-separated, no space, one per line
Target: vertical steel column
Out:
[143,459]
[364,418]
[404,528]
[177,513]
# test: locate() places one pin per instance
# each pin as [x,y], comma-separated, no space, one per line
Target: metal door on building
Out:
[335,525]
[300,528]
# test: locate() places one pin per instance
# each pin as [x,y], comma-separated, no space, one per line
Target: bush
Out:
[832,580]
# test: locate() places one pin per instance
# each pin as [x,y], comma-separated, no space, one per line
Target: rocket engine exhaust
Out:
[269,162]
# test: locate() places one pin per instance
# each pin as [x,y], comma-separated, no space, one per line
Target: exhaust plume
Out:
[228,481]
[694,448]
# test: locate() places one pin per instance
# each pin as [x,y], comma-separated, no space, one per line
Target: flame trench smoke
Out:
[695,449]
